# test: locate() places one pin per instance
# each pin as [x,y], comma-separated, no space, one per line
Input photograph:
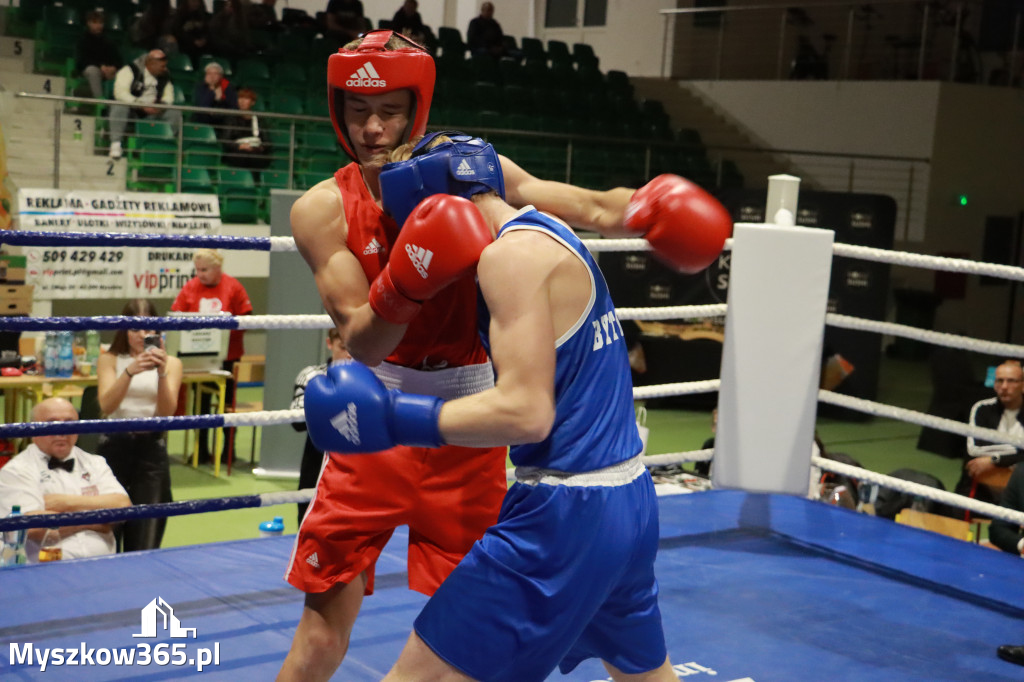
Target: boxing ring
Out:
[753,587]
[757,581]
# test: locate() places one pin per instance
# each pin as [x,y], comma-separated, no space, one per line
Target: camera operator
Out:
[138,379]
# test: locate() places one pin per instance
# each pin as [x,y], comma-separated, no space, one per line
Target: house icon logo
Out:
[158,616]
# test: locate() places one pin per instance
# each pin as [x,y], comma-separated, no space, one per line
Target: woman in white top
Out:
[139,380]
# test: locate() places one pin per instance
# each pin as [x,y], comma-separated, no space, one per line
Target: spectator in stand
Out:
[214,91]
[312,458]
[485,35]
[408,22]
[192,28]
[155,28]
[137,85]
[96,57]
[245,143]
[137,379]
[212,291]
[345,20]
[52,476]
[229,31]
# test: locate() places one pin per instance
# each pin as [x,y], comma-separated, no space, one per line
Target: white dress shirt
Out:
[27,478]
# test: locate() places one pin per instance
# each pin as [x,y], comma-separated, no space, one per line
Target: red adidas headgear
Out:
[370,69]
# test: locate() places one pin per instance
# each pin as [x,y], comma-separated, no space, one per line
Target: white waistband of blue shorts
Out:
[447,384]
[615,475]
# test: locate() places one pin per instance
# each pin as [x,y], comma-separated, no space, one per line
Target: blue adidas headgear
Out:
[463,167]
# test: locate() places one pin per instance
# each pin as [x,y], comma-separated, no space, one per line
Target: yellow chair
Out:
[246,372]
[944,525]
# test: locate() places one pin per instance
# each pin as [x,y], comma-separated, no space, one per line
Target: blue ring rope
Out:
[35,324]
[201,421]
[140,511]
[191,241]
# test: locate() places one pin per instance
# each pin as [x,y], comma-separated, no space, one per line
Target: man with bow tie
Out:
[52,475]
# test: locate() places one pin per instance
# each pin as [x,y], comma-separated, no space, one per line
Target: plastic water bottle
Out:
[269,529]
[92,347]
[12,552]
[50,359]
[66,355]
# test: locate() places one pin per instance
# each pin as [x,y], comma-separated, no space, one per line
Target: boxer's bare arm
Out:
[587,209]
[320,230]
[535,290]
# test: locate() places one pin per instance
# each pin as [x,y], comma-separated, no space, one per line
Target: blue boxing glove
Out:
[350,410]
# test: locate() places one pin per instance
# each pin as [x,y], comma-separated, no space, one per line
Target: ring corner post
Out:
[771,360]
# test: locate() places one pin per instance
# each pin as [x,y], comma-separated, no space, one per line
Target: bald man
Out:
[137,86]
[52,475]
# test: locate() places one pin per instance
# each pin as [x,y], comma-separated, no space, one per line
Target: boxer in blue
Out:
[567,573]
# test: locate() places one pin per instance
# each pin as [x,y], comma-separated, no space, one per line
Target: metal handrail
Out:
[854,6]
[572,142]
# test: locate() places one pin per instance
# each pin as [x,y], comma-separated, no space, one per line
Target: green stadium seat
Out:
[203,156]
[254,74]
[287,103]
[289,77]
[558,53]
[450,40]
[533,49]
[197,181]
[199,134]
[239,197]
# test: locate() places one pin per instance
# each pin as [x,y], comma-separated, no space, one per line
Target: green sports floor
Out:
[880,445]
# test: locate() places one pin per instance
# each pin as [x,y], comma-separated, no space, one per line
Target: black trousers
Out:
[139,462]
[309,471]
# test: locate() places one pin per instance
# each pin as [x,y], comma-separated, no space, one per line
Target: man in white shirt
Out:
[1002,413]
[52,475]
[137,85]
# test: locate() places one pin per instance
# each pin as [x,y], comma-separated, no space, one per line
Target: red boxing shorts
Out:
[447,496]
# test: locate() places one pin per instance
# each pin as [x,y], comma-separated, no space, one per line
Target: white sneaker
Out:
[115,150]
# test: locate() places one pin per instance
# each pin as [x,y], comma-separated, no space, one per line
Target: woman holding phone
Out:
[138,379]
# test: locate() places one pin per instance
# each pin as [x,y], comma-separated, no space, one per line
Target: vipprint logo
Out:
[157,620]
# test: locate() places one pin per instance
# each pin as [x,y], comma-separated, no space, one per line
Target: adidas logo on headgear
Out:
[420,258]
[464,169]
[366,77]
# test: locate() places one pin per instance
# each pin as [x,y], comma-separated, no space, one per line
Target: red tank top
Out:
[444,334]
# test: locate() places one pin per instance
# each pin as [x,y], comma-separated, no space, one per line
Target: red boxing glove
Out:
[440,241]
[686,226]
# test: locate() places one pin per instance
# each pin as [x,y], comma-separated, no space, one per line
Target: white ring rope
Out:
[937,338]
[287,497]
[283,244]
[920,418]
[684,388]
[918,260]
[691,312]
[679,312]
[679,457]
[934,494]
[265,418]
[322,321]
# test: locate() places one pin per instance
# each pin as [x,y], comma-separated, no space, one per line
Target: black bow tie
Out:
[67,465]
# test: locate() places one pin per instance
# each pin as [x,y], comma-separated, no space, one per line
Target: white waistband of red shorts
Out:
[447,384]
[611,476]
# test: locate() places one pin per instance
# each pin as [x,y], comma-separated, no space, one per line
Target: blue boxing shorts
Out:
[566,574]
